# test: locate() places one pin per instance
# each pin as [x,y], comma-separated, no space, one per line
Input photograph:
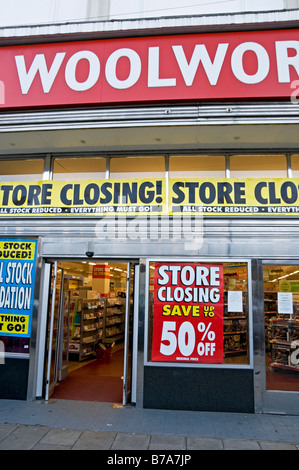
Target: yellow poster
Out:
[210,197]
[234,197]
[16,325]
[98,197]
[17,250]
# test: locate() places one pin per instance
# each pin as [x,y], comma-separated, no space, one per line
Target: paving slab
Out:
[202,443]
[95,440]
[166,442]
[240,444]
[51,447]
[130,441]
[6,429]
[269,445]
[61,437]
[23,438]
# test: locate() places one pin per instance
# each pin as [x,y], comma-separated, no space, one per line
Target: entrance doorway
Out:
[281,301]
[281,317]
[90,331]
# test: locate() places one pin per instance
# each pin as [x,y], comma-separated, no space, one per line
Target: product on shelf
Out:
[281,331]
[95,322]
[235,335]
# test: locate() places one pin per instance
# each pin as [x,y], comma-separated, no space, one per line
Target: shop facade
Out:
[190,191]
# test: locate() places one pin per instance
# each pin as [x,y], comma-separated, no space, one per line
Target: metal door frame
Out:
[41,339]
[126,377]
[62,367]
[46,292]
[135,333]
[49,387]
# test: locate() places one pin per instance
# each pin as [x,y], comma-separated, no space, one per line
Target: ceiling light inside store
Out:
[286,275]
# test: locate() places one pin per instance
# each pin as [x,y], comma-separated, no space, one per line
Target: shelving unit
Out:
[235,335]
[87,327]
[113,320]
[95,320]
[281,331]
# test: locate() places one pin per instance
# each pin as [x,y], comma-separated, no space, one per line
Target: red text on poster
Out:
[101,271]
[188,313]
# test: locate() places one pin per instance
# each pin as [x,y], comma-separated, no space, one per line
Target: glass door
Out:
[53,330]
[127,376]
[281,320]
[64,329]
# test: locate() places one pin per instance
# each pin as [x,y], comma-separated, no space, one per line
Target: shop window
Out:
[197,166]
[281,310]
[198,313]
[137,167]
[21,170]
[258,166]
[68,169]
[295,166]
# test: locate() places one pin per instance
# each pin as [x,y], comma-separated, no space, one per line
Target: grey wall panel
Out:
[221,237]
[14,379]
[199,389]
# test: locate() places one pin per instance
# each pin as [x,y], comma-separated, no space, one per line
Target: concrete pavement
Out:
[73,425]
[24,437]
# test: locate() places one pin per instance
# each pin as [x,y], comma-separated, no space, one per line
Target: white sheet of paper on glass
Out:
[285,302]
[235,301]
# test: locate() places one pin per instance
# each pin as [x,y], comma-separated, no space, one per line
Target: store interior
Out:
[89,331]
[281,308]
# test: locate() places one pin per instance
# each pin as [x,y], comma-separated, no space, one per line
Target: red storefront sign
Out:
[214,66]
[188,313]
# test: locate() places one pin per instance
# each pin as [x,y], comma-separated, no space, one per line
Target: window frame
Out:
[150,363]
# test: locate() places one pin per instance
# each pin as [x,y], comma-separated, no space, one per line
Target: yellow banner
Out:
[234,196]
[213,197]
[80,198]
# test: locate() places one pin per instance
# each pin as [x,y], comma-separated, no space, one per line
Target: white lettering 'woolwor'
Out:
[187,69]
